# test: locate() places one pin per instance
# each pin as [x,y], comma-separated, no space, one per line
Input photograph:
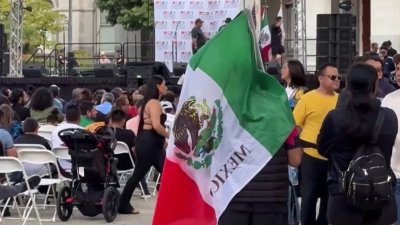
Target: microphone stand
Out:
[175,45]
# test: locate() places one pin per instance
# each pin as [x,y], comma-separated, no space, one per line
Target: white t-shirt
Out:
[392,101]
[55,139]
[169,123]
[289,91]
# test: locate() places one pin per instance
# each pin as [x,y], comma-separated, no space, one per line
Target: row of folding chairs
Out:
[38,157]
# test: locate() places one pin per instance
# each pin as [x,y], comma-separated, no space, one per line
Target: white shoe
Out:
[145,196]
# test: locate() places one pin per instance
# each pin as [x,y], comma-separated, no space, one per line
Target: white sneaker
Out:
[145,196]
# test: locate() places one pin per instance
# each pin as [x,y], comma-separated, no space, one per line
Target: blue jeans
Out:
[398,201]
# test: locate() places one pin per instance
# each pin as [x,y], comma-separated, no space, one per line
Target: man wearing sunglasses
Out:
[309,114]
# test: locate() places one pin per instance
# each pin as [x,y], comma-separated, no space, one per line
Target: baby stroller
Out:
[93,189]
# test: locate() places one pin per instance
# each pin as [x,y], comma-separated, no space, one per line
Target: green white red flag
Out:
[232,118]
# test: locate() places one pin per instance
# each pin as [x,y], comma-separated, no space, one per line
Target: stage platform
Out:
[67,84]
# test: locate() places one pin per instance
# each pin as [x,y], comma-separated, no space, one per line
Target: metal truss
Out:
[16,19]
[300,42]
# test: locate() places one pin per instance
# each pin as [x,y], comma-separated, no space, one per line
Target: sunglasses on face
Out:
[334,77]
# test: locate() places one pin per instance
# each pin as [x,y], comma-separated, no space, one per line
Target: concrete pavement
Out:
[144,218]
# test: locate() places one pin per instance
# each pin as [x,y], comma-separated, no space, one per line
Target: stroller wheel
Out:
[110,204]
[64,208]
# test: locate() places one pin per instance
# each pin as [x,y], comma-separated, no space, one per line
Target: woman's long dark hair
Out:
[16,94]
[361,83]
[41,99]
[151,92]
[297,74]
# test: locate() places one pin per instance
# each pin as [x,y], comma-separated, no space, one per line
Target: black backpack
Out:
[367,182]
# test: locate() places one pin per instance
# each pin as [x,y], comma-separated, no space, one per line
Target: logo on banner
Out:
[167,55]
[191,23]
[230,3]
[187,14]
[178,5]
[207,34]
[220,14]
[213,25]
[181,45]
[169,14]
[178,24]
[161,25]
[162,45]
[185,56]
[168,35]
[206,15]
[186,35]
[213,5]
[196,4]
[161,4]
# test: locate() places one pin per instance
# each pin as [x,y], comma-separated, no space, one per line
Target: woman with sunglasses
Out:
[294,76]
[343,131]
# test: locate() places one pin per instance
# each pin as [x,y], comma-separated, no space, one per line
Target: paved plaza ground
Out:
[144,218]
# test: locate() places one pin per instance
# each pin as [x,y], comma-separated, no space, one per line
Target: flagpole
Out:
[257,7]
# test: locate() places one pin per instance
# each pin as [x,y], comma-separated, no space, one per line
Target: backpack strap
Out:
[378,126]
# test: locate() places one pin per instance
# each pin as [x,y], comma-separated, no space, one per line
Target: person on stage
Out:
[276,40]
[198,38]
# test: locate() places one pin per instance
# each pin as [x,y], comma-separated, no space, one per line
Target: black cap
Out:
[198,20]
[227,20]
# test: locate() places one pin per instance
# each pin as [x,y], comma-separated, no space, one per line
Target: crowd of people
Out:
[27,114]
[342,156]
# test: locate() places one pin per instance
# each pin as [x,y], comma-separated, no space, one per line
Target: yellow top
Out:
[309,114]
[92,127]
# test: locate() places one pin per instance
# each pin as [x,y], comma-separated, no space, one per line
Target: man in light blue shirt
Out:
[106,103]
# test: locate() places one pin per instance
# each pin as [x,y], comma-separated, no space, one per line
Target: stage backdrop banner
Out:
[174,21]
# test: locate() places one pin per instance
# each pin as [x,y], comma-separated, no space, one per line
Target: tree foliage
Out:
[42,20]
[131,14]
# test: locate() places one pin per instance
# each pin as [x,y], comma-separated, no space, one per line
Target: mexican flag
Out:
[265,38]
[232,117]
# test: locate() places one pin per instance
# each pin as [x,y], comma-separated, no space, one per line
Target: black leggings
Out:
[149,152]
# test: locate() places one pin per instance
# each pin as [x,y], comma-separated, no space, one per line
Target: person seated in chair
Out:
[31,136]
[117,122]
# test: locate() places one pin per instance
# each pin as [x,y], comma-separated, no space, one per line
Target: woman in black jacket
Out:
[342,132]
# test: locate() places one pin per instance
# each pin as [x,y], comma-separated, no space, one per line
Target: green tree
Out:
[131,14]
[37,24]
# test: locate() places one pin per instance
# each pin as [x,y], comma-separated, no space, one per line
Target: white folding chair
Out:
[9,165]
[44,157]
[46,135]
[29,146]
[61,153]
[149,175]
[122,148]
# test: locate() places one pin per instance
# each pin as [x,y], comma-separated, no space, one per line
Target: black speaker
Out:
[179,68]
[346,34]
[326,20]
[31,70]
[345,49]
[143,72]
[343,64]
[326,34]
[105,70]
[6,64]
[322,60]
[326,49]
[336,40]
[345,21]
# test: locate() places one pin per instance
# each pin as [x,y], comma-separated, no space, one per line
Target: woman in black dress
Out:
[150,140]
